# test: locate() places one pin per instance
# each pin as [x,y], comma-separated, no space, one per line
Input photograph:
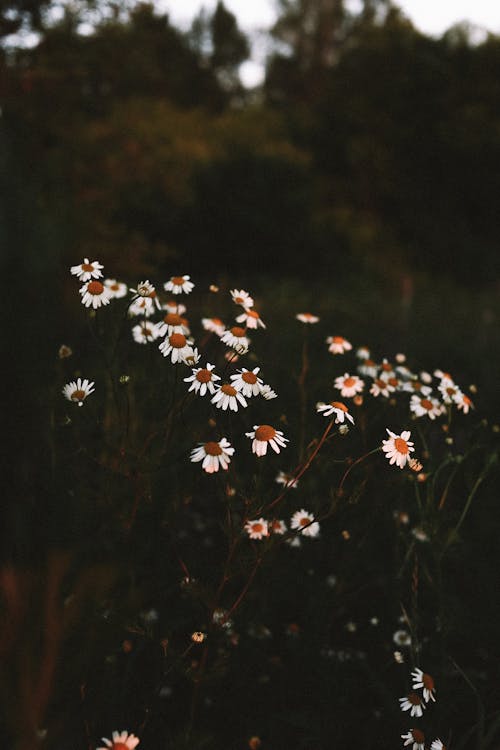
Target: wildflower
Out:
[251,319]
[236,339]
[397,448]
[402,638]
[381,387]
[117,288]
[463,402]
[416,737]
[172,306]
[192,357]
[425,406]
[213,455]
[437,745]
[240,297]
[145,332]
[78,391]
[87,270]
[228,397]
[142,306]
[264,435]
[146,289]
[338,344]
[254,743]
[247,382]
[198,636]
[277,526]
[202,380]
[349,385]
[416,386]
[257,529]
[94,294]
[425,681]
[121,741]
[214,325]
[305,522]
[178,285]
[362,352]
[425,377]
[412,703]
[267,392]
[368,368]
[178,347]
[64,351]
[337,408]
[288,480]
[307,317]
[173,323]
[415,465]
[386,367]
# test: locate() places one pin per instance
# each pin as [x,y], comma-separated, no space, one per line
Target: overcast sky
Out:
[430,16]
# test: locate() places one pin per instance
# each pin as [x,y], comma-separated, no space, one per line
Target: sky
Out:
[430,16]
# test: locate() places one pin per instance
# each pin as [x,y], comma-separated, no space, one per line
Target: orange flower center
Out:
[414,699]
[228,389]
[252,314]
[239,300]
[178,280]
[249,377]
[238,332]
[257,528]
[265,432]
[339,405]
[114,287]
[304,521]
[393,381]
[87,267]
[370,362]
[466,400]
[426,404]
[428,682]
[380,383]
[177,340]
[95,287]
[450,391]
[338,340]
[418,736]
[172,319]
[417,386]
[204,376]
[119,746]
[78,395]
[401,445]
[386,366]
[349,382]
[213,449]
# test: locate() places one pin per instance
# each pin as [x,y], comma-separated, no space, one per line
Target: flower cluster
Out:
[416,702]
[302,523]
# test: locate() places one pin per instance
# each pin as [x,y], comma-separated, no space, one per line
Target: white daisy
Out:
[416,738]
[398,447]
[202,380]
[448,391]
[277,526]
[425,681]
[120,741]
[423,406]
[94,294]
[304,521]
[173,323]
[264,435]
[178,347]
[338,344]
[437,745]
[381,387]
[362,352]
[412,703]
[214,325]
[368,368]
[87,270]
[247,382]
[235,338]
[227,397]
[240,297]
[416,386]
[349,385]
[288,480]
[78,391]
[179,284]
[214,455]
[463,402]
[145,332]
[117,288]
[307,317]
[267,392]
[387,368]
[172,306]
[144,306]
[251,319]
[146,289]
[257,529]
[335,407]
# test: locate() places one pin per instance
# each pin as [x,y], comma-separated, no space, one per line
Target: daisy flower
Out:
[381,387]
[257,529]
[386,367]
[117,288]
[251,319]
[145,332]
[214,325]
[463,402]
[277,526]
[338,344]
[202,380]
[335,407]
[227,397]
[307,317]
[368,368]
[398,447]
[214,455]
[87,270]
[412,703]
[415,386]
[172,306]
[288,480]
[178,285]
[94,294]
[146,289]
[305,522]
[423,406]
[173,323]
[178,347]
[437,745]
[120,741]
[240,297]
[236,339]
[78,391]
[349,385]
[142,306]
[362,352]
[425,681]
[264,435]
[247,382]
[448,391]
[416,738]
[267,392]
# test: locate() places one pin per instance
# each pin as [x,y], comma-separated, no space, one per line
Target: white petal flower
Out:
[173,323]
[247,382]
[145,332]
[412,703]
[398,448]
[307,318]
[337,408]
[235,338]
[240,297]
[257,529]
[203,380]
[180,350]
[120,741]
[414,737]
[264,435]
[87,270]
[214,325]
[251,319]
[78,391]
[426,682]
[214,455]
[179,284]
[338,345]
[349,385]
[304,521]
[116,288]
[423,406]
[227,397]
[95,294]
